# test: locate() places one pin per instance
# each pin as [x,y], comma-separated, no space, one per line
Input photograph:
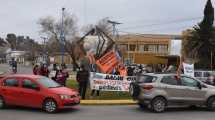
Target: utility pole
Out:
[114,23]
[62,37]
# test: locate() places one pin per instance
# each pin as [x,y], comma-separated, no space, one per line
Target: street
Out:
[127,112]
[20,69]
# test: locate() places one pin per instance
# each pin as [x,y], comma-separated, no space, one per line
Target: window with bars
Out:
[163,48]
[132,47]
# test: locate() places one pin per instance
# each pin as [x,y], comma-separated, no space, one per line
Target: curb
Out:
[108,102]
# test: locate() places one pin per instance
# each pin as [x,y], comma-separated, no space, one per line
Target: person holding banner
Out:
[82,78]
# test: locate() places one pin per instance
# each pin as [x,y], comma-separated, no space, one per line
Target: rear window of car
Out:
[170,80]
[146,79]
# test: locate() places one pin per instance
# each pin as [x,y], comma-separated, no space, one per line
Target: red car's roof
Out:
[23,75]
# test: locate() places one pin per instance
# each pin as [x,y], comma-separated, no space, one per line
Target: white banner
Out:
[108,82]
[188,69]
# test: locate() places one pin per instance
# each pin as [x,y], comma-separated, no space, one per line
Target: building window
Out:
[152,48]
[146,47]
[162,48]
[132,47]
[123,47]
[141,48]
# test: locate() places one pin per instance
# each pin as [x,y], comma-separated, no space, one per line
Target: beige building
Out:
[147,48]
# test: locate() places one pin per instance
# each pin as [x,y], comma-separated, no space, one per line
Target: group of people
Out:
[120,70]
[135,69]
[58,74]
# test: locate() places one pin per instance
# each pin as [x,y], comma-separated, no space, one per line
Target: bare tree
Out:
[101,24]
[52,27]
[11,39]
[2,42]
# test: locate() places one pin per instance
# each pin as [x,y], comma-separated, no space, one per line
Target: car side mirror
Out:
[199,85]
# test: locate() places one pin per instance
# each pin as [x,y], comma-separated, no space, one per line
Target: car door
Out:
[172,87]
[192,92]
[31,94]
[11,91]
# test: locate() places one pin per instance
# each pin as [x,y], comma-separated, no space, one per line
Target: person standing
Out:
[14,66]
[82,78]
[62,75]
[36,70]
[54,72]
[44,71]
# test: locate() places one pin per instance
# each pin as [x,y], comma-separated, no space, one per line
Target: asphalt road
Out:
[128,112]
[20,69]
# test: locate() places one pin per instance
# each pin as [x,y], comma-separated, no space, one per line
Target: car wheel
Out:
[211,104]
[2,102]
[158,104]
[134,90]
[50,106]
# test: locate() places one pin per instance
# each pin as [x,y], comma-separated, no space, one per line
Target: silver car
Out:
[159,91]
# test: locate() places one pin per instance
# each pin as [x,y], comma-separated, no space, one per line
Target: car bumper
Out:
[69,103]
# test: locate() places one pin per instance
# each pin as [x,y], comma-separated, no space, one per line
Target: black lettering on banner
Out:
[131,79]
[113,77]
[111,88]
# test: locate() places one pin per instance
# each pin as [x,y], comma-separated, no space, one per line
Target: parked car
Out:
[159,91]
[36,91]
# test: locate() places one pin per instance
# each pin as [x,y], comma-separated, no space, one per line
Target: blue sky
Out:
[137,16]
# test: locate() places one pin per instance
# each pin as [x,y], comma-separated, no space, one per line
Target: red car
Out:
[36,91]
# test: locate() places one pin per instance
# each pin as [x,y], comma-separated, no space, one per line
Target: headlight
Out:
[63,97]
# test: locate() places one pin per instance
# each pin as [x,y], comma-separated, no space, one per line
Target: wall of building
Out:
[145,49]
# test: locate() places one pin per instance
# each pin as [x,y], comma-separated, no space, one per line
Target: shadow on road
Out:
[37,110]
[181,109]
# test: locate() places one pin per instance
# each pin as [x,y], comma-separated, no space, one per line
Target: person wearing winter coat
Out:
[82,78]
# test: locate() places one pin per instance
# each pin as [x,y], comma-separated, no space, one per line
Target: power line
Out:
[163,23]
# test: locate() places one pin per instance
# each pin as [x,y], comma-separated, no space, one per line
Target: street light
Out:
[62,37]
[45,52]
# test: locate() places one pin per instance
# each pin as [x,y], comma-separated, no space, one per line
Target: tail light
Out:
[148,87]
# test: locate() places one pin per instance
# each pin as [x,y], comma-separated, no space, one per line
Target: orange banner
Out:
[108,62]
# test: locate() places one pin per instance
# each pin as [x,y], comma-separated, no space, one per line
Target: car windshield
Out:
[46,82]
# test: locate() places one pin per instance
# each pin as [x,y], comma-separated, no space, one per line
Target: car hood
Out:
[211,87]
[63,91]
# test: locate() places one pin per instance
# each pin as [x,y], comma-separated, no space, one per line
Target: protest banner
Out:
[188,69]
[108,82]
[108,62]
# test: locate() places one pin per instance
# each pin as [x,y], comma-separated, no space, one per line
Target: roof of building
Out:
[148,37]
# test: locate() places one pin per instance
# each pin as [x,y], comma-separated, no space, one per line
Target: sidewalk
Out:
[108,102]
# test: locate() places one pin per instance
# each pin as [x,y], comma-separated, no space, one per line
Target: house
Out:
[19,56]
[147,48]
